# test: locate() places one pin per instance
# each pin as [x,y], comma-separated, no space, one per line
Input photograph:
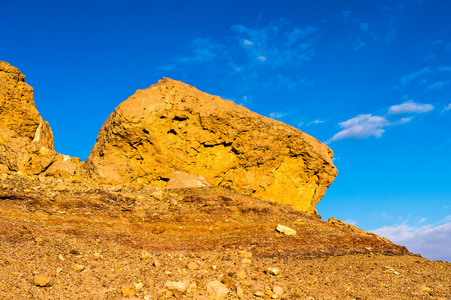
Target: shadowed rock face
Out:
[173,127]
[26,140]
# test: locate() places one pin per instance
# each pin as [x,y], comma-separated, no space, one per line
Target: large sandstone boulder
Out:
[173,127]
[26,140]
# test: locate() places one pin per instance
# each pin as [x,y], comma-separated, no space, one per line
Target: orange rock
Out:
[173,127]
[40,280]
[128,292]
[18,112]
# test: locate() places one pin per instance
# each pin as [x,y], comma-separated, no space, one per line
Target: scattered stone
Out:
[217,290]
[177,286]
[156,263]
[61,258]
[78,267]
[277,290]
[285,230]
[40,280]
[38,240]
[97,255]
[192,266]
[259,294]
[246,261]
[192,286]
[241,274]
[126,292]
[227,282]
[245,254]
[240,292]
[145,255]
[269,293]
[272,271]
[74,252]
[139,285]
[245,283]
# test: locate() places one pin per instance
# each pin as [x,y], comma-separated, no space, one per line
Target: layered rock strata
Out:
[173,127]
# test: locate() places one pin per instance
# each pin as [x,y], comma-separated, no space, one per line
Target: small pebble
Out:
[78,268]
[40,280]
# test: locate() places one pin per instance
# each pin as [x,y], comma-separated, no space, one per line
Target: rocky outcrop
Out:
[173,127]
[17,110]
[26,140]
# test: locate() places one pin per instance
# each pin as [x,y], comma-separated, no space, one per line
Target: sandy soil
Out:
[61,239]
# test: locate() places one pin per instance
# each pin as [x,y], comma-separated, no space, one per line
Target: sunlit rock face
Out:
[173,127]
[26,140]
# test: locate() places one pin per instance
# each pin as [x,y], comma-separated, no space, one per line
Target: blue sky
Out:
[370,78]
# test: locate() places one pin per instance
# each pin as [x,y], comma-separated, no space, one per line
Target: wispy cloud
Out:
[426,77]
[256,55]
[448,107]
[414,75]
[431,240]
[437,85]
[277,44]
[277,115]
[315,122]
[202,51]
[410,107]
[361,127]
[367,125]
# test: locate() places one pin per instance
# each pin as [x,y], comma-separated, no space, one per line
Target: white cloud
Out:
[361,127]
[277,115]
[448,107]
[315,122]
[410,107]
[261,58]
[432,240]
[366,125]
[247,43]
[403,121]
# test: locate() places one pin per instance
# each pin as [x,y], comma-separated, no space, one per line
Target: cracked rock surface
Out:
[173,127]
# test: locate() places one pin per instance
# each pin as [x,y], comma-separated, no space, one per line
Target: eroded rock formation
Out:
[26,140]
[173,127]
